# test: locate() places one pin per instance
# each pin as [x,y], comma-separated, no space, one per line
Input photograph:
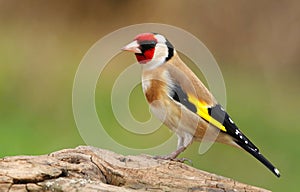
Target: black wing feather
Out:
[218,113]
[180,96]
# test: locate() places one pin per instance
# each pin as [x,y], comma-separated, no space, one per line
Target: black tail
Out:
[218,113]
[255,153]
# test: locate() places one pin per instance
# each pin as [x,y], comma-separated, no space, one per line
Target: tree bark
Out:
[88,168]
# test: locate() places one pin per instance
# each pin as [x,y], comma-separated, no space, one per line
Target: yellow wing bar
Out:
[202,111]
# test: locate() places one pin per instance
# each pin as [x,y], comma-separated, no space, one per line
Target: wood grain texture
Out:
[88,168]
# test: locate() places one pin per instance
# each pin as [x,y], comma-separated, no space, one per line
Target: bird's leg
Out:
[173,155]
[182,145]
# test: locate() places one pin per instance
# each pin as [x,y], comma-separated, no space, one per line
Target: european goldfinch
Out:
[181,101]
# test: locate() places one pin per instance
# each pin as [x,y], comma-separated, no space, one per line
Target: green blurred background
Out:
[256,44]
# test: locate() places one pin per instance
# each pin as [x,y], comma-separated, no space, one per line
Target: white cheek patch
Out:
[160,38]
[159,57]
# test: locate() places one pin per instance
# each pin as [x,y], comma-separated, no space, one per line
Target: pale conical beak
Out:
[132,47]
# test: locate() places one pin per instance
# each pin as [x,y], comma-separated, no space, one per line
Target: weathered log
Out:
[88,168]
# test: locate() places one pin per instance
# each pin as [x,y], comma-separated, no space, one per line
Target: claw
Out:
[182,160]
[171,158]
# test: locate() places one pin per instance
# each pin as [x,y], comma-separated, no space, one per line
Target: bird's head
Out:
[151,49]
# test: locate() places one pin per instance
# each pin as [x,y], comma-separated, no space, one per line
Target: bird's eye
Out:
[146,45]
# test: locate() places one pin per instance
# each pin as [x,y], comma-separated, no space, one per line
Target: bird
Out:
[182,102]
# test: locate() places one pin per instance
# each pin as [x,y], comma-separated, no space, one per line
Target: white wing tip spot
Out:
[237,132]
[230,120]
[276,171]
[246,142]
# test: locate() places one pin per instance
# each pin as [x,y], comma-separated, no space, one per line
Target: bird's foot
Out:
[172,158]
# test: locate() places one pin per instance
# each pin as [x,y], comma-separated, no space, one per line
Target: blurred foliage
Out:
[256,44]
